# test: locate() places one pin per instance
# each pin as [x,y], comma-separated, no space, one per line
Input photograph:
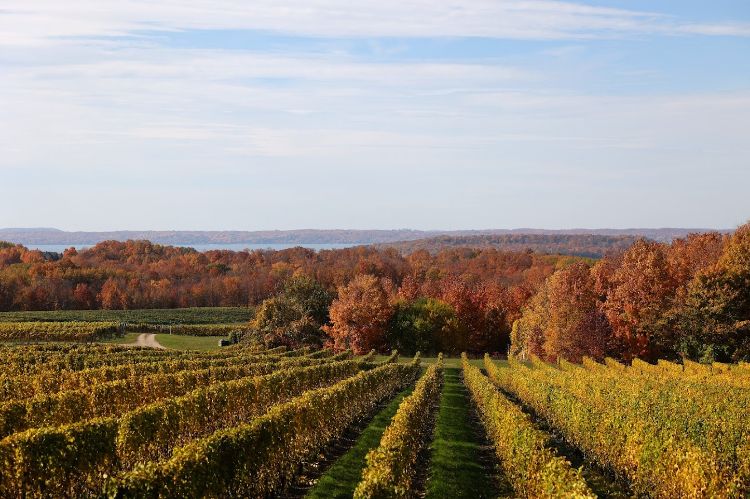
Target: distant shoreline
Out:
[59,248]
[313,238]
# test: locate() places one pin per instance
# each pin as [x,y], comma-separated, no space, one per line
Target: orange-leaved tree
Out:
[576,325]
[359,316]
[564,319]
[639,300]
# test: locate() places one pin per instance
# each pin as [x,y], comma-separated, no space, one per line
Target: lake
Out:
[59,248]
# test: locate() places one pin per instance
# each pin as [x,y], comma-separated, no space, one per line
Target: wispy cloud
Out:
[38,22]
[95,98]
[216,65]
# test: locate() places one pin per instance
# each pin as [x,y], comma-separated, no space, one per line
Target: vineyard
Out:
[192,316]
[95,325]
[57,331]
[88,420]
[94,331]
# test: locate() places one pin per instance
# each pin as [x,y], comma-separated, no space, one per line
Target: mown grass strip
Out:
[342,478]
[201,343]
[456,469]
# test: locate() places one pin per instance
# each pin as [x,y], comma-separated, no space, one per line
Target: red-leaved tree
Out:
[360,314]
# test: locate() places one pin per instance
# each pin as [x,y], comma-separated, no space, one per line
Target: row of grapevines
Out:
[47,382]
[79,360]
[296,353]
[24,358]
[695,368]
[56,331]
[62,347]
[193,315]
[325,353]
[391,467]
[52,374]
[533,469]
[641,429]
[705,422]
[368,359]
[687,369]
[272,351]
[259,458]
[368,356]
[185,329]
[643,367]
[90,359]
[97,359]
[150,432]
[72,460]
[319,354]
[691,372]
[108,398]
[710,413]
[393,358]
[31,365]
[708,408]
[58,347]
[255,347]
[346,354]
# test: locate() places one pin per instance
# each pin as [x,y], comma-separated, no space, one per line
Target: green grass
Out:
[122,340]
[179,342]
[173,341]
[195,315]
[455,468]
[342,478]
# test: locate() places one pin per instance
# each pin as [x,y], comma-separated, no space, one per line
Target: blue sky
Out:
[226,114]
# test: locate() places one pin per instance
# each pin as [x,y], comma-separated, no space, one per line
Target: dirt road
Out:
[147,340]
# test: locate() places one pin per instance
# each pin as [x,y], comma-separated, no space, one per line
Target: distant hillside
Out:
[180,237]
[36,236]
[589,245]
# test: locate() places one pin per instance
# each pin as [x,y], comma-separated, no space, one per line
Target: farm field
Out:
[465,249]
[181,342]
[196,315]
[119,421]
[175,342]
[57,331]
[112,331]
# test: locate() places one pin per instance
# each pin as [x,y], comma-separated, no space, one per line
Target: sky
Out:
[455,114]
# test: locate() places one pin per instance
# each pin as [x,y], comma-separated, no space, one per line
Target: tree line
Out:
[589,245]
[688,298]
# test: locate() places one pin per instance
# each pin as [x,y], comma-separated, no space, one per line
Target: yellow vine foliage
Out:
[670,437]
[391,467]
[74,459]
[532,468]
[258,458]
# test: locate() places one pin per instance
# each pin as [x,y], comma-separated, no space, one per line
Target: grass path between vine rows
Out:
[342,478]
[461,465]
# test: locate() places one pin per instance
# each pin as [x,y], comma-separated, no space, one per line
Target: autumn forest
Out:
[652,300]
